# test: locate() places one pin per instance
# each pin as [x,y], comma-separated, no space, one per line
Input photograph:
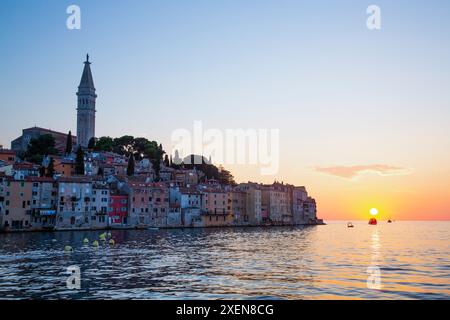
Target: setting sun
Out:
[374,211]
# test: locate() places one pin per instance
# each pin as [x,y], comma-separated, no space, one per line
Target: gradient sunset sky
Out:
[364,116]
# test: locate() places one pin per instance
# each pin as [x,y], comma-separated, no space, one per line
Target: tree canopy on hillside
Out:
[126,145]
[39,147]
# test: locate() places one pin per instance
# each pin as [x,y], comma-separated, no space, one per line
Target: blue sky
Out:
[268,61]
[340,94]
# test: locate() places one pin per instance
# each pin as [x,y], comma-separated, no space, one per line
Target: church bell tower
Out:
[86,106]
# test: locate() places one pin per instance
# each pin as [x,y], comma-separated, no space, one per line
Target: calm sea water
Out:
[321,262]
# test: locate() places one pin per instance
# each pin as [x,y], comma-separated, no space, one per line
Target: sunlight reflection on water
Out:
[323,262]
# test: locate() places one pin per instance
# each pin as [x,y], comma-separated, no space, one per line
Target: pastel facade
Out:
[149,204]
[25,169]
[7,156]
[43,203]
[299,197]
[310,210]
[64,167]
[187,177]
[16,205]
[253,202]
[99,205]
[74,203]
[275,200]
[190,202]
[238,206]
[216,211]
[118,210]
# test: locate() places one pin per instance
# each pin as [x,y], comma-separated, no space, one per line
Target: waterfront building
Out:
[190,202]
[74,202]
[174,216]
[16,207]
[44,198]
[20,144]
[118,209]
[149,203]
[310,210]
[99,204]
[86,106]
[253,202]
[299,197]
[237,200]
[2,197]
[275,203]
[216,210]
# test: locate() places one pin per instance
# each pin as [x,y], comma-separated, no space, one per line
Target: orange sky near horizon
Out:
[420,193]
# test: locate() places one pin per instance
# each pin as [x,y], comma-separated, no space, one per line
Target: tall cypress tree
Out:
[130,168]
[166,161]
[69,143]
[51,168]
[79,161]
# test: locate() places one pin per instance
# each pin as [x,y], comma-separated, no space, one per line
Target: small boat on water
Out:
[389,221]
[350,225]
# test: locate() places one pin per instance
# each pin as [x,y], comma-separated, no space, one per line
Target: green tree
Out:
[130,167]
[79,161]
[123,145]
[69,143]
[51,168]
[166,161]
[91,143]
[225,177]
[104,144]
[41,171]
[39,147]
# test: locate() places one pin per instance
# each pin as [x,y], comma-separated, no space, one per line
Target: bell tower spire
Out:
[86,106]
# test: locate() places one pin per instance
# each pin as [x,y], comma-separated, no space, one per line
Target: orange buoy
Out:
[373,221]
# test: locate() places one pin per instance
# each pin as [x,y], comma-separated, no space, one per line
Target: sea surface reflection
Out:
[321,262]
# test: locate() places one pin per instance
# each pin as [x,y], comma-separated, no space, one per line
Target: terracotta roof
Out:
[49,131]
[39,179]
[25,165]
[7,151]
[190,191]
[80,179]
